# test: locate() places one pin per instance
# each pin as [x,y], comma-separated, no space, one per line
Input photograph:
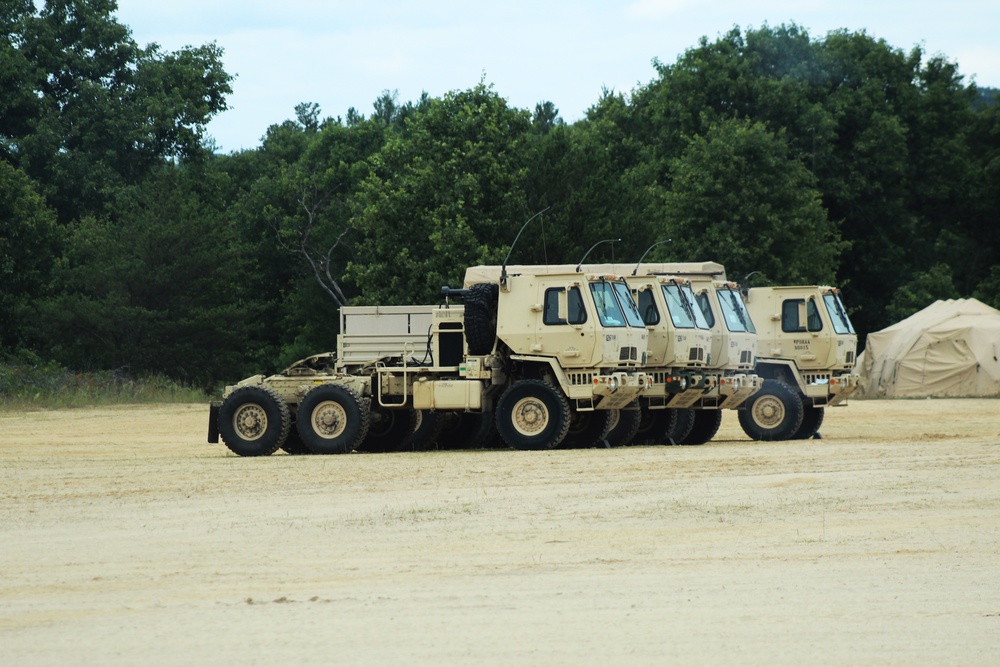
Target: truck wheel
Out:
[532,414]
[654,426]
[254,421]
[812,419]
[388,428]
[467,430]
[682,425]
[293,443]
[624,428]
[481,318]
[588,429]
[425,433]
[773,413]
[332,419]
[706,425]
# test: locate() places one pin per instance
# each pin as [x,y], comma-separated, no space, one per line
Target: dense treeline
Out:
[129,244]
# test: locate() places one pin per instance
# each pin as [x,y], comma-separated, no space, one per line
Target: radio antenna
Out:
[503,267]
[636,269]
[591,248]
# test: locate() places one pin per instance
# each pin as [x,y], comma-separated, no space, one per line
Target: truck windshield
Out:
[841,322]
[632,315]
[733,310]
[608,310]
[684,310]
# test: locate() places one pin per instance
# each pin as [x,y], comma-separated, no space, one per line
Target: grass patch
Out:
[32,384]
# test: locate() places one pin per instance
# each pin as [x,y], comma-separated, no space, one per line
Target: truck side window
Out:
[550,312]
[706,308]
[647,308]
[790,316]
[791,321]
[577,311]
[813,319]
[563,307]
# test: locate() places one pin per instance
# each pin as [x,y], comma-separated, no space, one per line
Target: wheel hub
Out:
[769,412]
[530,416]
[250,421]
[329,419]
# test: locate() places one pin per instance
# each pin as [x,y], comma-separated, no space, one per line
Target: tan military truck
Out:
[678,345]
[733,348]
[726,369]
[806,350]
[552,356]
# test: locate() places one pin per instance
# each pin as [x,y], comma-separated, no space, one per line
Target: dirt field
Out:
[127,540]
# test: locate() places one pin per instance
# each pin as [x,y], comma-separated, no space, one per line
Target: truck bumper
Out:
[617,390]
[735,389]
[832,390]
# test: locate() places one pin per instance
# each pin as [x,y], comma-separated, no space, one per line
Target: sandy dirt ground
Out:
[125,539]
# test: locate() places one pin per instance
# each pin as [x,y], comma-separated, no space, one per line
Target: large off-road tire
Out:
[481,318]
[624,427]
[388,428]
[654,426]
[467,430]
[706,425]
[332,419]
[425,433]
[588,429]
[532,414]
[293,443]
[682,425]
[773,413]
[254,421]
[812,419]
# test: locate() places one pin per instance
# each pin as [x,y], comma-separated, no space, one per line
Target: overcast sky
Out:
[344,54]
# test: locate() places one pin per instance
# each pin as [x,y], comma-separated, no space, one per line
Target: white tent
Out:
[950,348]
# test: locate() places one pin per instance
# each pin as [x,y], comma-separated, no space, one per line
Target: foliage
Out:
[27,382]
[28,238]
[127,245]
[443,194]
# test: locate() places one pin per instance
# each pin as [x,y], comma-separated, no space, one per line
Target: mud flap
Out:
[213,422]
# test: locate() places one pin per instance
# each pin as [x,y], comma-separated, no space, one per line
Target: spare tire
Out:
[481,317]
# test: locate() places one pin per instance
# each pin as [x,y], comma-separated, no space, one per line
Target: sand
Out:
[126,539]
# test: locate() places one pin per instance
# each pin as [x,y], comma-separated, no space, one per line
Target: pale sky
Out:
[344,54]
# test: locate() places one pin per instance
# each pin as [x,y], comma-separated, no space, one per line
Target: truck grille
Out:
[629,354]
[697,354]
[746,357]
[850,358]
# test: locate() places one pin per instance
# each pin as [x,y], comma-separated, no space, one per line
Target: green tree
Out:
[158,289]
[87,111]
[446,192]
[28,241]
[922,290]
[740,198]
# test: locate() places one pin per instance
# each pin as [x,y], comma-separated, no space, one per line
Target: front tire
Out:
[654,426]
[532,415]
[812,419]
[624,429]
[254,421]
[332,419]
[588,429]
[773,413]
[706,425]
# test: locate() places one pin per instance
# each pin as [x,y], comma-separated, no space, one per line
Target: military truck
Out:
[806,351]
[678,351]
[552,356]
[733,349]
[726,369]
